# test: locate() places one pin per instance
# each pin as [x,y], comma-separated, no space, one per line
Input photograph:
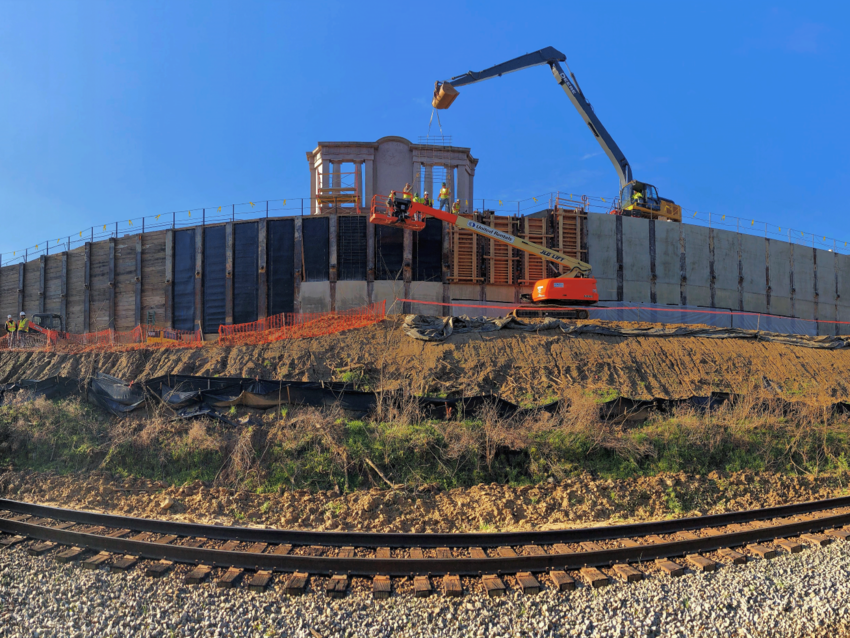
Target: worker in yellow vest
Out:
[444,198]
[407,193]
[456,207]
[23,329]
[11,328]
[426,199]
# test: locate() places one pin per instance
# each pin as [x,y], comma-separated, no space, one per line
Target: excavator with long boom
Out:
[554,297]
[637,199]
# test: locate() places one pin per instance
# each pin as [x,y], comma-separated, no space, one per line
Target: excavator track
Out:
[550,312]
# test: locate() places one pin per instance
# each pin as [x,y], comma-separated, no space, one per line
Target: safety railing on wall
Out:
[303,206]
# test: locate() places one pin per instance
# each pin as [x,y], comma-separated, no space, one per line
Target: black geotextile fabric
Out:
[246,241]
[184,280]
[281,258]
[315,236]
[427,328]
[190,397]
[215,278]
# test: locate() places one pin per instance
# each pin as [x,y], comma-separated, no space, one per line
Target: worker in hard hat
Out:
[23,328]
[11,329]
[637,197]
[391,201]
[444,198]
[426,199]
[456,207]
[407,193]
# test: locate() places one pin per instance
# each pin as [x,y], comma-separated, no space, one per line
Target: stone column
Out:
[417,178]
[429,183]
[450,184]
[324,181]
[369,183]
[337,169]
[462,187]
[314,188]
[471,192]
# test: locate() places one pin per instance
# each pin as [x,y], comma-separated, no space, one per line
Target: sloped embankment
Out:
[522,367]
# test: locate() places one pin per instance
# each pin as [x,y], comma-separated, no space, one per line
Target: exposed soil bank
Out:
[570,503]
[525,368]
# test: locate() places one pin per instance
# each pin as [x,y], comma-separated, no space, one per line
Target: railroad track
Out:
[528,561]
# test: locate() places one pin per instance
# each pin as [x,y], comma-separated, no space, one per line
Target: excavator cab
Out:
[639,199]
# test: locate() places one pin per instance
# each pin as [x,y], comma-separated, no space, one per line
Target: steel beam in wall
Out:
[199,279]
[169,278]
[262,275]
[20,289]
[791,278]
[63,291]
[228,281]
[87,290]
[333,232]
[137,306]
[112,283]
[42,275]
[712,272]
[767,288]
[298,255]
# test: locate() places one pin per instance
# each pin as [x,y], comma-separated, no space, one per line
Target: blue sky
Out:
[113,110]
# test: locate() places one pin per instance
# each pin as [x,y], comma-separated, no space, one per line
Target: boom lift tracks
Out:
[550,297]
[637,199]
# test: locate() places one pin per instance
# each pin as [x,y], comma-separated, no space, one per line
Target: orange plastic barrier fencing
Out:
[300,325]
[139,337]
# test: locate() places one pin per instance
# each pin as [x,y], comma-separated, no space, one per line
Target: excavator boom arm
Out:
[575,266]
[553,57]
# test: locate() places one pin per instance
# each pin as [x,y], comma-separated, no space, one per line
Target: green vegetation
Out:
[320,450]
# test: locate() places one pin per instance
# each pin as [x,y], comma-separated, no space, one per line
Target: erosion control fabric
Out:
[427,328]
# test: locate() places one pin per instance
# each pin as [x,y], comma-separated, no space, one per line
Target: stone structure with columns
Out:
[388,164]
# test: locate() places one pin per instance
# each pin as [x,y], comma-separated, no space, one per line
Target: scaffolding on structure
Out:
[339,192]
[432,171]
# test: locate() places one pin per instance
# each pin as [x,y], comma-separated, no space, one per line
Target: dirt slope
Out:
[522,367]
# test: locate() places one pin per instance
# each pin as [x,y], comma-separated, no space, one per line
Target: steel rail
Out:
[322,565]
[427,540]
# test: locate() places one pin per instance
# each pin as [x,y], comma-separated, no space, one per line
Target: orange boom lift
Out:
[555,297]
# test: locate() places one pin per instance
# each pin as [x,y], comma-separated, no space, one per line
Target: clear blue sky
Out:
[112,110]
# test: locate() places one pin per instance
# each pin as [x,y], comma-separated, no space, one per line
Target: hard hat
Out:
[8,316]
[426,192]
[23,313]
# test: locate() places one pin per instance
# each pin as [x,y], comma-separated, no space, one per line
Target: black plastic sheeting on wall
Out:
[281,266]
[246,240]
[215,276]
[428,251]
[351,248]
[389,253]
[115,395]
[184,280]
[315,252]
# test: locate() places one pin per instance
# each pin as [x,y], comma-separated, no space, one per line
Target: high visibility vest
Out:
[24,325]
[407,195]
[636,196]
[11,326]
[444,193]
[417,200]
[456,207]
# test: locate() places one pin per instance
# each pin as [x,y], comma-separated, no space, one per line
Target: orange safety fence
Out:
[139,337]
[300,325]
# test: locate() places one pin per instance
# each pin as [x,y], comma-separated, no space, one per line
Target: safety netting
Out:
[300,325]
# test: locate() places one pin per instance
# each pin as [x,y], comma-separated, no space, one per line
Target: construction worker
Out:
[416,198]
[23,329]
[637,197]
[11,328]
[391,201]
[426,199]
[444,198]
[456,207]
[407,193]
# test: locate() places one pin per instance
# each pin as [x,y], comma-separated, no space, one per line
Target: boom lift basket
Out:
[444,96]
[393,212]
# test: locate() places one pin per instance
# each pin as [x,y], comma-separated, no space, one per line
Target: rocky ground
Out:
[791,596]
[568,503]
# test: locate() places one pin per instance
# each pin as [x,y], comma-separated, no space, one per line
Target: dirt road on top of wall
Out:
[522,367]
[573,502]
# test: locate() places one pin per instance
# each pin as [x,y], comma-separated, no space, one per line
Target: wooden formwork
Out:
[466,261]
[501,258]
[568,224]
[536,231]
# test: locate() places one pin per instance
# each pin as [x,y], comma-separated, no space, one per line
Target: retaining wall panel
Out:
[427,291]
[602,250]
[76,290]
[315,296]
[52,285]
[153,277]
[32,276]
[125,284]
[8,293]
[636,271]
[780,278]
[755,285]
[804,279]
[726,269]
[350,294]
[667,270]
[697,266]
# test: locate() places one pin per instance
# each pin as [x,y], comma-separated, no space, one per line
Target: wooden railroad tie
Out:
[96,561]
[416,553]
[452,585]
[158,569]
[40,548]
[259,581]
[762,551]
[477,552]
[123,564]
[818,540]
[444,552]
[346,552]
[528,583]
[838,533]
[493,585]
[8,541]
[736,558]
[383,552]
[197,575]
[297,584]
[282,550]
[336,586]
[70,555]
[672,569]
[627,573]
[229,578]
[421,586]
[788,545]
[562,581]
[593,577]
[701,563]
[381,587]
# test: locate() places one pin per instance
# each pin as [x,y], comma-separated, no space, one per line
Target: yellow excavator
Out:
[637,199]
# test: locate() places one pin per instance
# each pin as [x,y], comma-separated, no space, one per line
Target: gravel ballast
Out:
[805,594]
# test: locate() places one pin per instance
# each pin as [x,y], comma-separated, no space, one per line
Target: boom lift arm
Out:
[444,95]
